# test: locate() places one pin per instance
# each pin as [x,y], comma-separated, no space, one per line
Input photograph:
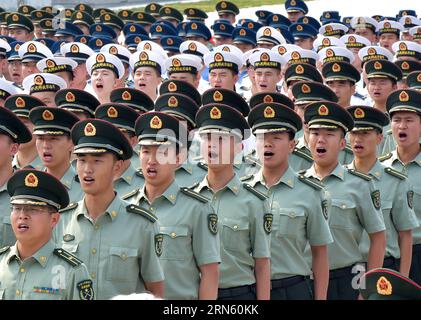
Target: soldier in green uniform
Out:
[27,154]
[404,109]
[13,132]
[243,212]
[355,200]
[117,240]
[398,214]
[124,118]
[188,224]
[297,221]
[52,128]
[34,268]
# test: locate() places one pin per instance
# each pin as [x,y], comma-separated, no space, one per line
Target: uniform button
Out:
[172,197]
[124,256]
[93,251]
[18,292]
[96,227]
[173,234]
[22,270]
[343,206]
[292,214]
[151,208]
[377,174]
[235,227]
[114,213]
[235,189]
[93,275]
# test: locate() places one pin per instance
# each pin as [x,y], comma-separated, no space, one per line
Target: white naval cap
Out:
[389,26]
[147,58]
[415,32]
[407,49]
[56,64]
[77,51]
[7,89]
[183,63]
[105,60]
[41,82]
[34,51]
[194,47]
[247,54]
[333,29]
[363,22]
[267,59]
[269,35]
[355,41]
[335,54]
[324,42]
[409,20]
[148,45]
[118,50]
[301,56]
[374,53]
[228,48]
[285,47]
[223,60]
[4,47]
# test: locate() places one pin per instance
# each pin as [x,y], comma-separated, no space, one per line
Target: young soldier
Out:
[223,68]
[243,212]
[116,239]
[185,67]
[13,132]
[20,27]
[44,87]
[267,70]
[60,66]
[188,224]
[352,210]
[34,268]
[398,215]
[403,107]
[52,128]
[296,221]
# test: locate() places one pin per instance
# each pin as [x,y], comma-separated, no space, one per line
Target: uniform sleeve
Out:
[150,267]
[80,284]
[370,217]
[260,238]
[318,231]
[403,215]
[206,243]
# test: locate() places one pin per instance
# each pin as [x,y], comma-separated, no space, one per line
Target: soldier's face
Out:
[364,143]
[379,89]
[47,97]
[267,79]
[15,71]
[146,79]
[294,16]
[325,145]
[187,77]
[304,43]
[222,79]
[222,40]
[387,39]
[28,68]
[406,128]
[274,148]
[219,149]
[227,16]
[366,33]
[344,89]
[31,144]
[20,34]
[7,150]
[55,150]
[103,82]
[80,76]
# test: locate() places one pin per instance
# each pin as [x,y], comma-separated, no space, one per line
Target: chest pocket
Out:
[176,243]
[7,237]
[235,234]
[343,215]
[289,221]
[122,264]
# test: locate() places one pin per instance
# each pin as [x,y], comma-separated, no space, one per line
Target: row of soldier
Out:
[226,234]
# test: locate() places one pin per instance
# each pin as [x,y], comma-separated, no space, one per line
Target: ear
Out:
[196,81]
[14,147]
[235,78]
[291,145]
[118,165]
[55,218]
[379,138]
[343,142]
[353,88]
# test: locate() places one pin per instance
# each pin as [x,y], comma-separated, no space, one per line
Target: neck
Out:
[346,104]
[25,157]
[364,165]
[407,154]
[155,191]
[59,171]
[273,175]
[380,106]
[219,176]
[29,248]
[104,99]
[324,171]
[126,164]
[97,204]
[5,174]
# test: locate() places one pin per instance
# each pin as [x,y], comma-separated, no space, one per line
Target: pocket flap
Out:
[174,231]
[290,212]
[343,203]
[235,224]
[123,253]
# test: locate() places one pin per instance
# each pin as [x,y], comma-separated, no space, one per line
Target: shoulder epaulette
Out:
[71,206]
[348,148]
[310,182]
[302,154]
[68,257]
[4,249]
[194,194]
[359,174]
[194,185]
[141,211]
[359,95]
[395,173]
[247,177]
[385,157]
[139,173]
[389,131]
[202,165]
[256,192]
[130,194]
[252,161]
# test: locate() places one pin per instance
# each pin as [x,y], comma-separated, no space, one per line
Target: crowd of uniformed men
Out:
[269,158]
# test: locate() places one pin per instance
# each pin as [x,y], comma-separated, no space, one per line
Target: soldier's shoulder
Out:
[139,173]
[385,157]
[306,155]
[4,250]
[70,207]
[313,183]
[247,177]
[254,191]
[193,194]
[70,258]
[130,194]
[359,174]
[395,173]
[142,212]
[202,165]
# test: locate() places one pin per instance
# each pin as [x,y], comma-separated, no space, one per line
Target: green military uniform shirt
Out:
[188,174]
[135,157]
[188,229]
[50,274]
[397,214]
[118,248]
[7,237]
[355,207]
[413,171]
[129,181]
[297,220]
[36,163]
[244,221]
[71,181]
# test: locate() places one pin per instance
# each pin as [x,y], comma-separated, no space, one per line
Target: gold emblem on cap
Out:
[403,96]
[191,12]
[264,57]
[267,32]
[405,65]
[295,55]
[215,113]
[268,99]
[38,14]
[329,28]
[170,41]
[408,21]
[352,39]
[132,28]
[193,26]
[218,96]
[326,42]
[269,112]
[143,56]
[167,10]
[113,50]
[47,115]
[222,27]
[403,46]
[83,40]
[15,18]
[173,102]
[223,5]
[299,27]
[218,57]
[17,46]
[176,63]
[305,20]
[74,48]
[48,23]
[359,113]
[82,7]
[89,130]
[32,48]
[384,287]
[147,46]
[419,77]
[172,87]
[323,110]
[275,18]
[100,58]
[386,25]
[192,46]
[79,15]
[378,65]
[126,96]
[137,40]
[156,123]
[336,67]
[299,69]
[371,51]
[158,28]
[305,88]
[282,50]
[107,17]
[70,97]
[50,63]
[293,3]
[226,49]
[20,103]
[140,15]
[98,28]
[330,53]
[242,32]
[112,112]
[39,80]
[152,7]
[125,14]
[98,42]
[250,25]
[31,180]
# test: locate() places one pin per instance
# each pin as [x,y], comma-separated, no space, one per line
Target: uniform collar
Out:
[186,166]
[338,172]
[128,175]
[395,157]
[68,178]
[41,256]
[170,193]
[287,178]
[233,185]
[113,211]
[301,143]
[376,171]
[36,163]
